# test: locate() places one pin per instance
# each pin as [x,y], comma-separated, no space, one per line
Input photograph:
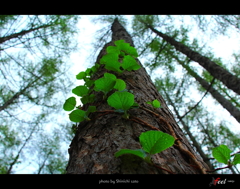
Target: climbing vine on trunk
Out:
[118,59]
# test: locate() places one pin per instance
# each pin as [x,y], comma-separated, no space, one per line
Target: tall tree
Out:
[33,67]
[234,111]
[203,132]
[162,50]
[230,80]
[93,147]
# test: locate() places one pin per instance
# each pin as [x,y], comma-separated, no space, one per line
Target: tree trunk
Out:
[228,79]
[215,94]
[96,141]
[22,33]
[17,95]
[187,130]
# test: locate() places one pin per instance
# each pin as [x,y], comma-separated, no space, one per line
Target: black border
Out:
[117,7]
[84,181]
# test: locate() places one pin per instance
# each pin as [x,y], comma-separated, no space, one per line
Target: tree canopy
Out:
[34,51]
[34,65]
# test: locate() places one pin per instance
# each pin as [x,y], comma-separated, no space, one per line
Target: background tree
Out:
[40,44]
[198,125]
[230,80]
[206,83]
[33,75]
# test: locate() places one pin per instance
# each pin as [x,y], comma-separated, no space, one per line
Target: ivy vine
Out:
[120,58]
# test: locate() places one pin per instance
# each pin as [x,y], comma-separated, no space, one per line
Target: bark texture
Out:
[187,129]
[93,147]
[228,79]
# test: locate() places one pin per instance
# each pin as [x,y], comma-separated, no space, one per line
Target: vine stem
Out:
[138,120]
[210,171]
[179,144]
[104,112]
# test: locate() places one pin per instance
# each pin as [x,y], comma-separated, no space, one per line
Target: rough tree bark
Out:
[187,130]
[93,147]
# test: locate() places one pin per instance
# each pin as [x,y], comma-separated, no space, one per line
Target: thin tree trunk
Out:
[95,143]
[228,79]
[22,33]
[20,150]
[215,94]
[17,95]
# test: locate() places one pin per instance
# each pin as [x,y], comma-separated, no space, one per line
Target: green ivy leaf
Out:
[95,68]
[122,54]
[138,152]
[80,90]
[88,71]
[129,63]
[70,104]
[104,84]
[122,45]
[121,100]
[156,104]
[221,154]
[111,62]
[81,75]
[113,66]
[118,43]
[126,48]
[236,159]
[91,109]
[132,51]
[89,83]
[156,141]
[110,76]
[112,49]
[120,84]
[77,115]
[88,98]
